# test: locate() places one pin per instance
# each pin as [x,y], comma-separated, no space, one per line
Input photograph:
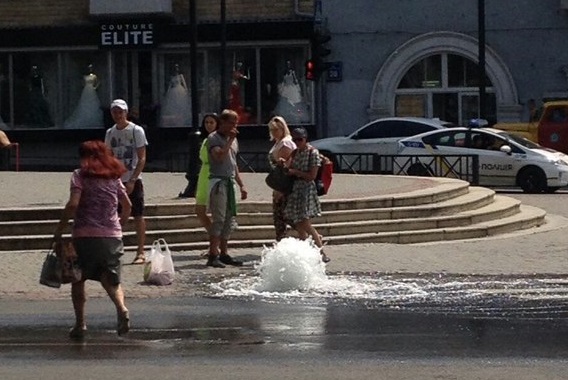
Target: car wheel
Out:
[419,170]
[532,180]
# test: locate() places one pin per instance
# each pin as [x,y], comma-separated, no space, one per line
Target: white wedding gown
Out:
[291,105]
[88,113]
[176,108]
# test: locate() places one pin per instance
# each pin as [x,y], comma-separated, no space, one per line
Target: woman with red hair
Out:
[95,194]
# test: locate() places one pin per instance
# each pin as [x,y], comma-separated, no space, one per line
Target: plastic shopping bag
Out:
[159,268]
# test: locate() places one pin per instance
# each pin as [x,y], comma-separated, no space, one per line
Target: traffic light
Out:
[316,65]
[318,41]
[310,70]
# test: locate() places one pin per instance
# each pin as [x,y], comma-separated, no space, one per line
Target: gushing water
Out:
[290,265]
[292,269]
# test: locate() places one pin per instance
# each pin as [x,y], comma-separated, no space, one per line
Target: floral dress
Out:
[303,202]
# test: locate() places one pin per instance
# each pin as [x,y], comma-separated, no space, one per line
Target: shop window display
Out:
[284,90]
[242,96]
[176,103]
[35,90]
[4,94]
[71,89]
[84,90]
[88,112]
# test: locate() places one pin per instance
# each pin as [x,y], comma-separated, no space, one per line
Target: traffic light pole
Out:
[481,52]
[194,163]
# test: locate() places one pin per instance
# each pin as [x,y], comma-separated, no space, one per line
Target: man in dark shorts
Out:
[128,143]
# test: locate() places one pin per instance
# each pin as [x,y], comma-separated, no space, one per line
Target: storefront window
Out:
[284,90]
[85,86]
[175,92]
[72,89]
[5,120]
[242,94]
[274,86]
[35,90]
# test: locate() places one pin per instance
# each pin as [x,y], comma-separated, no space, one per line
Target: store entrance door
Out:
[132,81]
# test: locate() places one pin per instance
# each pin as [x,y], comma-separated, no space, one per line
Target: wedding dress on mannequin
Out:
[88,112]
[176,108]
[291,105]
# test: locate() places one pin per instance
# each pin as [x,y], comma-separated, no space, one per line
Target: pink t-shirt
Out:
[97,215]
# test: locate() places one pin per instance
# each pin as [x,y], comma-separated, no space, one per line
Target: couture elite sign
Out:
[126,35]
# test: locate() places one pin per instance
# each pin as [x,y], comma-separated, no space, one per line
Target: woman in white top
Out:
[280,151]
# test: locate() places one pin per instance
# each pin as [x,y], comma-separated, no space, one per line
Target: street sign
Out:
[335,71]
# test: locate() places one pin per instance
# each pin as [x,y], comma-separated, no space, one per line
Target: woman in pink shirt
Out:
[96,191]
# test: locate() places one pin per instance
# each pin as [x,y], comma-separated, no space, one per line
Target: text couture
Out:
[127,34]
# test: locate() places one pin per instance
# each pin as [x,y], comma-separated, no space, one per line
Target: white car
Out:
[504,159]
[380,136]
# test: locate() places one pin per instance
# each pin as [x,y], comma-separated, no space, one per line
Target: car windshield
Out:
[520,140]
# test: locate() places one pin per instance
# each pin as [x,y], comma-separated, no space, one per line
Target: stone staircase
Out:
[452,211]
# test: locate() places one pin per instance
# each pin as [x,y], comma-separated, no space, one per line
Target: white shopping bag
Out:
[159,267]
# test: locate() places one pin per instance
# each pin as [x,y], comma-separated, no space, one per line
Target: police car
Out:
[504,159]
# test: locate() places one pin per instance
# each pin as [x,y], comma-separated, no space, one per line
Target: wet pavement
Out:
[478,309]
[194,337]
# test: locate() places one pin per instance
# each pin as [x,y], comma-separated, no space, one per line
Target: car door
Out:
[452,142]
[496,168]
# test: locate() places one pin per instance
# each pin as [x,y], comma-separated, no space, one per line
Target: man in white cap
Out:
[128,143]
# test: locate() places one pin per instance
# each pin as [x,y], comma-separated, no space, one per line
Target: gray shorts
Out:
[97,255]
[222,222]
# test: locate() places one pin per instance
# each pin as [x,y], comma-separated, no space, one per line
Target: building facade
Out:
[419,58]
[63,61]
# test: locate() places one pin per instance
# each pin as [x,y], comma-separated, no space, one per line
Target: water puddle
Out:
[292,271]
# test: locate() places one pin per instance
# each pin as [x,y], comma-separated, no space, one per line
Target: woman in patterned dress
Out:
[303,203]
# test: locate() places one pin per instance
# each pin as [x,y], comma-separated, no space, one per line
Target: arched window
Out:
[445,86]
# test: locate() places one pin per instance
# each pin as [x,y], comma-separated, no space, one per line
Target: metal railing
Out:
[10,157]
[465,167]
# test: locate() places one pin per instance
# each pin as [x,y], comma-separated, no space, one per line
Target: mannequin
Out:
[88,112]
[290,104]
[235,99]
[176,108]
[38,115]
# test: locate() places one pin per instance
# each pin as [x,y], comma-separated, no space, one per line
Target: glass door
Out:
[469,107]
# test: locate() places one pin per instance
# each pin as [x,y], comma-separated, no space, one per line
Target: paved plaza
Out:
[539,250]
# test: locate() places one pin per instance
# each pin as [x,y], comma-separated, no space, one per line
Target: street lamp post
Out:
[194,134]
[223,63]
[481,53]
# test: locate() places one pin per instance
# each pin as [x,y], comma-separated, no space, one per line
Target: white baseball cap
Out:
[120,104]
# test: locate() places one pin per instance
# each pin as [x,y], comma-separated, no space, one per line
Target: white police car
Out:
[504,159]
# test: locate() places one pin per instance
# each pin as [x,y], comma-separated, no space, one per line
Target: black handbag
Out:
[51,271]
[278,180]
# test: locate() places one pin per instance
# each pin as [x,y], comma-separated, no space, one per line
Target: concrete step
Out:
[175,216]
[440,192]
[380,228]
[528,217]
